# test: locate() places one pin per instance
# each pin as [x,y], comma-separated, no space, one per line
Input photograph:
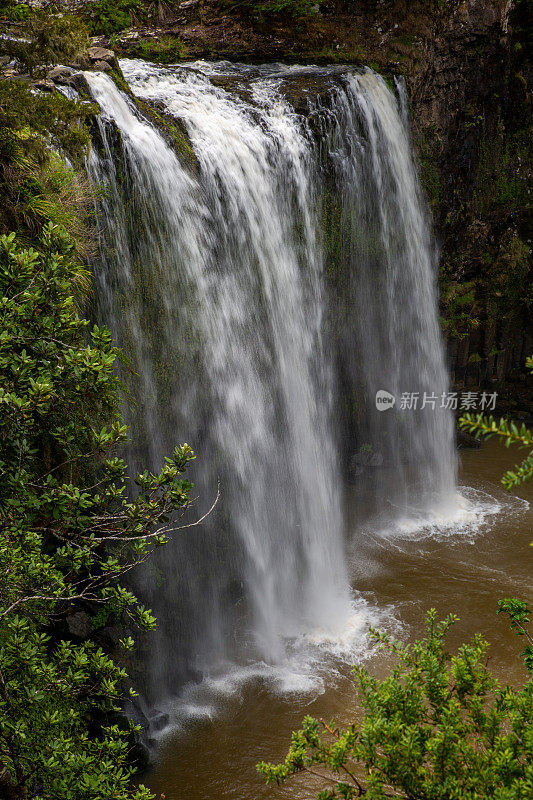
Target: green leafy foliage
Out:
[71,525]
[37,185]
[47,39]
[502,169]
[519,615]
[488,427]
[440,726]
[112,16]
[42,117]
[510,433]
[459,303]
[19,12]
[264,8]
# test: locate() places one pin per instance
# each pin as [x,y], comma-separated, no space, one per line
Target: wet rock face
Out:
[97,58]
[60,75]
[79,624]
[463,60]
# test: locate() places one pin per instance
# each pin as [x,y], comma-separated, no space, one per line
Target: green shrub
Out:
[112,16]
[440,726]
[70,527]
[46,40]
[36,184]
[18,13]
[292,8]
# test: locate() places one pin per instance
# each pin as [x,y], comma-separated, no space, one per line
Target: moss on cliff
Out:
[37,185]
[468,71]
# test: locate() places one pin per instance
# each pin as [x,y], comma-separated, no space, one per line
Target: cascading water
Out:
[265,286]
[386,308]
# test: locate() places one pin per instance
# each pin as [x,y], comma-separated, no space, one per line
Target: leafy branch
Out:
[440,725]
[73,524]
[480,425]
[519,615]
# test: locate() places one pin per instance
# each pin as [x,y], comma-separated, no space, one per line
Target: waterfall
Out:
[266,282]
[387,311]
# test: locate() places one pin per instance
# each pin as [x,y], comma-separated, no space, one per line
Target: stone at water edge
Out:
[96,57]
[45,85]
[60,74]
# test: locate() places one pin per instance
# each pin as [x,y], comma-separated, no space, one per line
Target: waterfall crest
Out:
[262,298]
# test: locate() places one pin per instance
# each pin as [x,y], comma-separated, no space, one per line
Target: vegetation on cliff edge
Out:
[71,527]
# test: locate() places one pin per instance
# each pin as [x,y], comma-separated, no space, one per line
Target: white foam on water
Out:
[348,641]
[468,513]
[315,661]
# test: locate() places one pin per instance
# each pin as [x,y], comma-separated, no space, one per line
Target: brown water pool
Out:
[243,717]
